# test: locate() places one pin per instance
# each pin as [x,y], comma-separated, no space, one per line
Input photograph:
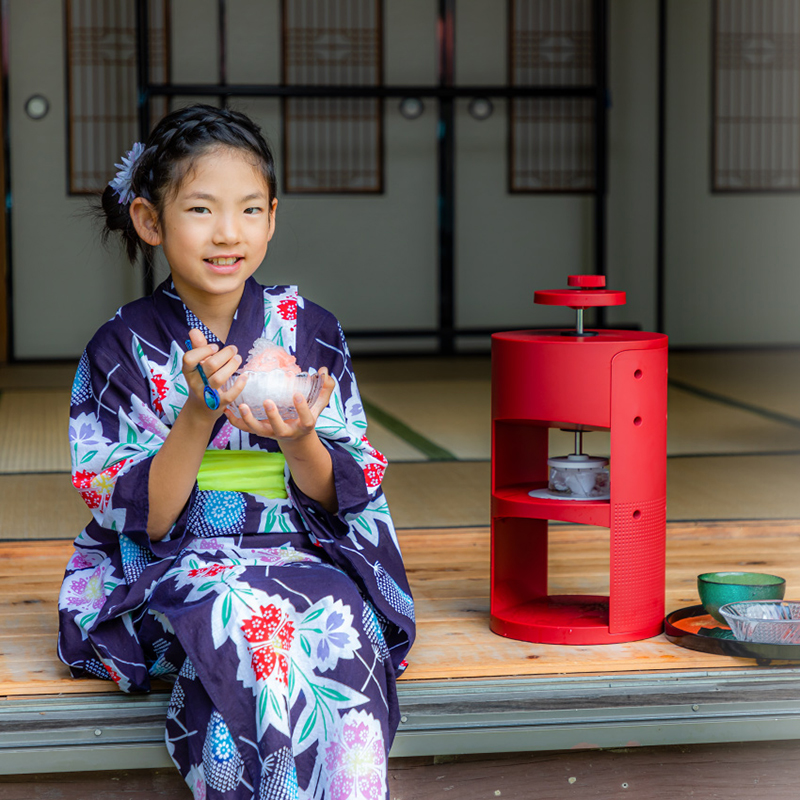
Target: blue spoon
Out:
[211,396]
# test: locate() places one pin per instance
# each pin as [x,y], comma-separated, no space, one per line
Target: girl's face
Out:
[215,229]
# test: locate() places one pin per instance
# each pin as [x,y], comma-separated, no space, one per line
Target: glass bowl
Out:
[768,622]
[277,385]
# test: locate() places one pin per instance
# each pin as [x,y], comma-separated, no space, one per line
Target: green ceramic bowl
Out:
[717,588]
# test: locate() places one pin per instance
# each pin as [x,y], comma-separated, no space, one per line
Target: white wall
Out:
[732,260]
[507,245]
[632,150]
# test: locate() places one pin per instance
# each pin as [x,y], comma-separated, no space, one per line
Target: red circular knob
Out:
[587,281]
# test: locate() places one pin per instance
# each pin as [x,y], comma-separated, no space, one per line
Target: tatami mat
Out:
[455,414]
[39,375]
[733,440]
[461,422]
[698,425]
[390,444]
[374,370]
[449,494]
[40,507]
[445,401]
[34,428]
[768,379]
[456,493]
[440,494]
[420,494]
[733,487]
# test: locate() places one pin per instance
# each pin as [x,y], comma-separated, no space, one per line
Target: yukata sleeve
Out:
[358,468]
[360,537]
[114,433]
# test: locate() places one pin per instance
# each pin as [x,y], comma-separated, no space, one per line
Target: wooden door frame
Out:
[5,272]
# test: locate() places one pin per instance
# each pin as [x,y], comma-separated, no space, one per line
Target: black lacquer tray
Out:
[692,628]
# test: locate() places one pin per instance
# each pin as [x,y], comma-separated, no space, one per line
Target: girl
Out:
[252,562]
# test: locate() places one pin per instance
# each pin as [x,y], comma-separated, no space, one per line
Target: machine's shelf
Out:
[566,619]
[514,501]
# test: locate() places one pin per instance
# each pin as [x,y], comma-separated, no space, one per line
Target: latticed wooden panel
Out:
[332,144]
[756,95]
[552,140]
[103,119]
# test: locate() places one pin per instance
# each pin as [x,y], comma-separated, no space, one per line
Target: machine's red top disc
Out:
[579,298]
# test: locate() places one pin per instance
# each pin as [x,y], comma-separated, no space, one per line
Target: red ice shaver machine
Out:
[578,380]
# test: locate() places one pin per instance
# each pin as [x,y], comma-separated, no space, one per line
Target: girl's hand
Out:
[285,430]
[218,366]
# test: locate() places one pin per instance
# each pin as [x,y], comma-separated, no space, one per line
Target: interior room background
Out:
[366,241]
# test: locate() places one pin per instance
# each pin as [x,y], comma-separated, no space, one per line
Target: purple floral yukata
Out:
[282,626]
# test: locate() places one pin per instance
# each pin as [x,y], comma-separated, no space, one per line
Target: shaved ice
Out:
[273,374]
[266,356]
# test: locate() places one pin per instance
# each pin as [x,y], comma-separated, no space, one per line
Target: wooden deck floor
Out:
[467,691]
[448,570]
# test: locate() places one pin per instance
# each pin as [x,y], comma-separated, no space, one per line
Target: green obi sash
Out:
[251,471]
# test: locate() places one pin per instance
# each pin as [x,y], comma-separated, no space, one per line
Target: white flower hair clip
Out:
[121,184]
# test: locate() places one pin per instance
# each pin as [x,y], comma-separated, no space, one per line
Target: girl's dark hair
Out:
[175,143]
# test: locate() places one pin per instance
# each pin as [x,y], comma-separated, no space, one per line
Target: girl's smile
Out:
[224,264]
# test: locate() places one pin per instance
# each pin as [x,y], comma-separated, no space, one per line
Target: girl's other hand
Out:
[218,366]
[285,430]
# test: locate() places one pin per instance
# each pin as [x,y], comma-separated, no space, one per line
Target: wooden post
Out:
[5,316]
